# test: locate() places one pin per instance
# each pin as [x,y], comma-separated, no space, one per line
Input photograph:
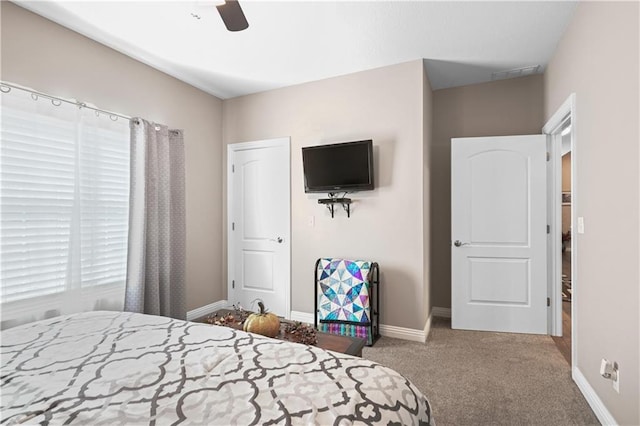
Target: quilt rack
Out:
[346,298]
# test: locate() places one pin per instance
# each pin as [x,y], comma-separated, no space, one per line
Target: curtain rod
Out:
[35,94]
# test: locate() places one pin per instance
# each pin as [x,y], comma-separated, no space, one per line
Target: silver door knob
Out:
[459,243]
[277,240]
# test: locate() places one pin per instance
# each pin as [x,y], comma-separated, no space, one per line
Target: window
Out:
[64,195]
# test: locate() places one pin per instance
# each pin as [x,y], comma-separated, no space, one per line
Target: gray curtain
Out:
[156,257]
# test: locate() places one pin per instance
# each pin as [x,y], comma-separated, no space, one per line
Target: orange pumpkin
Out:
[263,322]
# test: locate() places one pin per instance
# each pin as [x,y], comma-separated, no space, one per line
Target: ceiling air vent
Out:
[518,72]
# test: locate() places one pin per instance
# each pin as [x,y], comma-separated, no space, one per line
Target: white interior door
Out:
[259,237]
[499,234]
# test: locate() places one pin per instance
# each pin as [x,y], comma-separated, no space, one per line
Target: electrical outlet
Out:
[606,368]
[616,378]
[580,225]
[610,370]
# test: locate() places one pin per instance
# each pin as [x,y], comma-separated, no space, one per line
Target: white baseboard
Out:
[402,333]
[594,401]
[427,327]
[302,317]
[385,330]
[306,317]
[207,309]
[441,312]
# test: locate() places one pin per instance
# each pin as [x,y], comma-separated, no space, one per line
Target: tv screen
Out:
[338,167]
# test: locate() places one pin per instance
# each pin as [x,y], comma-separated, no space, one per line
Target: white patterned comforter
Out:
[111,368]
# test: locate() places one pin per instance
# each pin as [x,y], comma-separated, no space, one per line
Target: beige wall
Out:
[499,108]
[597,59]
[50,58]
[427,134]
[386,224]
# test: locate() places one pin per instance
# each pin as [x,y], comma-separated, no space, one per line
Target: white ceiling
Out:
[294,42]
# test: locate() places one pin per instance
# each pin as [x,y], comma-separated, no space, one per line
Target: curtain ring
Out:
[53,102]
[81,105]
[5,89]
[157,128]
[113,117]
[34,96]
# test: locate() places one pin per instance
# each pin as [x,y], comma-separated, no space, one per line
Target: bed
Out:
[120,368]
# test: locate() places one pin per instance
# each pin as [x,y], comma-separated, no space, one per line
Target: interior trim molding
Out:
[302,317]
[306,317]
[402,333]
[207,309]
[594,401]
[553,128]
[437,311]
[385,330]
[427,327]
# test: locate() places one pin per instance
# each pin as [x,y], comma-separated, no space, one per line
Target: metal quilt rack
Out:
[350,328]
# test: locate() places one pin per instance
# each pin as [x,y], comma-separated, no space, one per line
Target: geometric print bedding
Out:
[344,299]
[121,368]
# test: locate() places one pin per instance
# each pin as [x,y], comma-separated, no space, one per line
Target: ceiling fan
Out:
[232,15]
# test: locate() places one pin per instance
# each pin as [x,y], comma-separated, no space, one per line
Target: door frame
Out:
[553,127]
[284,142]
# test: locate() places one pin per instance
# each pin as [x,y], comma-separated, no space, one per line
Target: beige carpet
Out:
[485,378]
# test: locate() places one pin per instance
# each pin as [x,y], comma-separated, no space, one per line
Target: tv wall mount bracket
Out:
[332,201]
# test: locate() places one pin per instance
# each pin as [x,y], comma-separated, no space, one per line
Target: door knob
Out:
[459,243]
[277,240]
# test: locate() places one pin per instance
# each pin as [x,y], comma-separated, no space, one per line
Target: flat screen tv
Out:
[338,167]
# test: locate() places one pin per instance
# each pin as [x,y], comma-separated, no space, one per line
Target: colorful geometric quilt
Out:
[344,291]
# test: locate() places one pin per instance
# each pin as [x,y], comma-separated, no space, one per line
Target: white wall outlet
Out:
[311,221]
[580,225]
[606,368]
[610,370]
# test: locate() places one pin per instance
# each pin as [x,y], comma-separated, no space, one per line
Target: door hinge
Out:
[233,284]
[548,301]
[548,156]
[233,168]
[548,229]
[233,226]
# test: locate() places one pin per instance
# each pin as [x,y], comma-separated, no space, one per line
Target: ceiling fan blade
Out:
[232,16]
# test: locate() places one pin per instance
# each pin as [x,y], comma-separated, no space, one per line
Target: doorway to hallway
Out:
[566,232]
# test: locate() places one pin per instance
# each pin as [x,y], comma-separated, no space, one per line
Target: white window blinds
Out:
[64,194]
